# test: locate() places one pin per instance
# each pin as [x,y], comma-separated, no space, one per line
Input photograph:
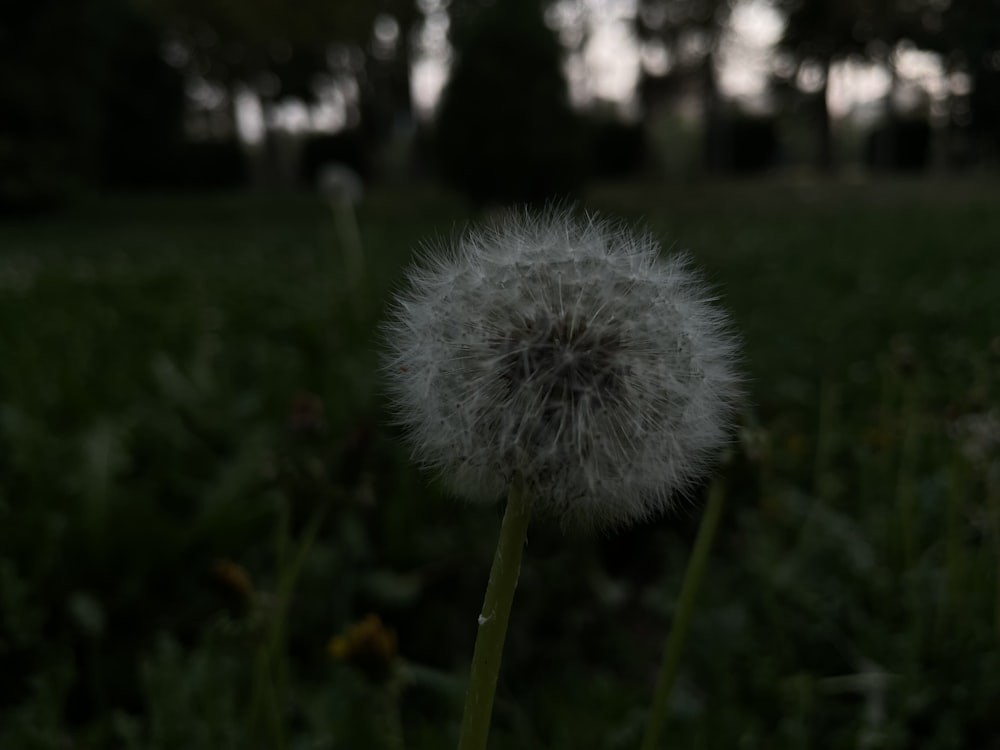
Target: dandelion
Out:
[564,353]
[978,436]
[562,361]
[340,184]
[344,190]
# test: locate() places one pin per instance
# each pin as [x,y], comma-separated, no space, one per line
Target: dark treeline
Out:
[128,94]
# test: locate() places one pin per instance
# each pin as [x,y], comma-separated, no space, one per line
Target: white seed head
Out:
[562,351]
[340,184]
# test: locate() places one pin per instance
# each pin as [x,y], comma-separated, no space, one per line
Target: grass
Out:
[198,490]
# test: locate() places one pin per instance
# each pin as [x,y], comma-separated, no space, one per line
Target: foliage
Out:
[745,143]
[618,150]
[902,144]
[187,393]
[84,96]
[142,107]
[258,22]
[970,35]
[257,42]
[345,147]
[504,128]
[48,79]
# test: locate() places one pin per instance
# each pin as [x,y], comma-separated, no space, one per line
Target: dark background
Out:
[138,95]
[211,533]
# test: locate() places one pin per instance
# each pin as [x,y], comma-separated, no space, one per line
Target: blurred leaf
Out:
[391,589]
[87,613]
[105,455]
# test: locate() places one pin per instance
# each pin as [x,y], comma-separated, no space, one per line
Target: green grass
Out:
[187,380]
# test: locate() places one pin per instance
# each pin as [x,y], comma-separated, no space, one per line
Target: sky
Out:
[612,60]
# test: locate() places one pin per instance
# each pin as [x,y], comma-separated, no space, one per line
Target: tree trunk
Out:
[886,154]
[716,145]
[825,159]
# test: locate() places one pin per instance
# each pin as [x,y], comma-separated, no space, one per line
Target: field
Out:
[210,537]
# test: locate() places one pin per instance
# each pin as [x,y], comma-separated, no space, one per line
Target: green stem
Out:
[993,508]
[266,705]
[350,240]
[272,655]
[393,725]
[956,549]
[905,490]
[825,433]
[493,620]
[685,608]
[292,560]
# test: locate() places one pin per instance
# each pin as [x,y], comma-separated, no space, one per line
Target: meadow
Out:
[211,536]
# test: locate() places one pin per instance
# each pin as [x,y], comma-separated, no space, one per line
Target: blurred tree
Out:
[967,33]
[275,50]
[688,31]
[84,96]
[819,33]
[908,149]
[386,91]
[504,129]
[50,71]
[142,107]
[618,150]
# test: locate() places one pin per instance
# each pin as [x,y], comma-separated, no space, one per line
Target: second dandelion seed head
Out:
[564,352]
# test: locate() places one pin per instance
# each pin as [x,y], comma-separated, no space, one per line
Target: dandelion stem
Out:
[905,490]
[493,620]
[685,607]
[349,237]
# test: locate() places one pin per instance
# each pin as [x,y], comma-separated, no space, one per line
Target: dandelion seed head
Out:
[562,350]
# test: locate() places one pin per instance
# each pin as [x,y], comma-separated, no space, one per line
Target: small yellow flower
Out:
[235,577]
[368,645]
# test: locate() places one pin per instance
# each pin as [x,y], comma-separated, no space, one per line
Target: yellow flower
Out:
[235,577]
[368,645]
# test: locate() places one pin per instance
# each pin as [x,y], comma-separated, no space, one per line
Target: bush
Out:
[212,165]
[345,147]
[49,81]
[745,144]
[142,109]
[617,149]
[901,145]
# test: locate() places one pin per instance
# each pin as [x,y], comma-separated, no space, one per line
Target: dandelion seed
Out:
[566,353]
